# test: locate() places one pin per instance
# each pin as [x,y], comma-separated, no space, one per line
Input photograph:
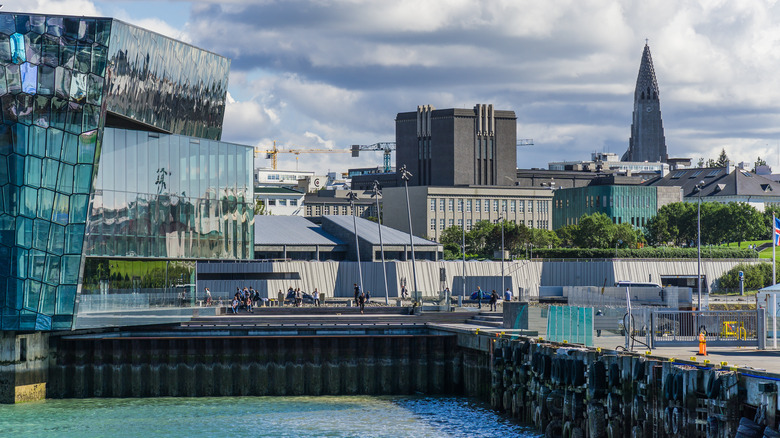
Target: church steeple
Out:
[647,142]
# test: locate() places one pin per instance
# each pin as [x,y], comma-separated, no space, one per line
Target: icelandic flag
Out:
[776,233]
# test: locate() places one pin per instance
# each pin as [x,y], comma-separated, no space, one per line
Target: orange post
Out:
[702,345]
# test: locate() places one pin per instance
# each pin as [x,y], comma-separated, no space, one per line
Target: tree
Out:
[624,235]
[595,231]
[759,162]
[451,239]
[567,234]
[260,208]
[723,159]
[742,222]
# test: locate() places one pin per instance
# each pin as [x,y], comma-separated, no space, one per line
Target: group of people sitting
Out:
[245,298]
[297,297]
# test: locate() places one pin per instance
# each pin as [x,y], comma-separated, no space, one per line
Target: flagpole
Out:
[774,244]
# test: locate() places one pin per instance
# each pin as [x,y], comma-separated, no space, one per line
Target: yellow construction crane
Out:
[272,154]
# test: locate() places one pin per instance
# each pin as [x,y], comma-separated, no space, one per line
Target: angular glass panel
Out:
[19,268]
[18,53]
[66,294]
[49,179]
[41,111]
[16,168]
[24,104]
[94,90]
[91,118]
[29,201]
[45,203]
[38,23]
[87,30]
[32,42]
[4,177]
[5,49]
[74,118]
[23,23]
[65,179]
[12,199]
[59,112]
[3,85]
[7,24]
[24,228]
[57,239]
[54,26]
[32,295]
[13,78]
[83,178]
[29,74]
[70,27]
[19,138]
[74,238]
[83,58]
[50,50]
[48,295]
[54,148]
[99,60]
[78,87]
[70,148]
[61,212]
[87,143]
[67,54]
[33,175]
[62,81]
[8,102]
[41,229]
[102,32]
[78,208]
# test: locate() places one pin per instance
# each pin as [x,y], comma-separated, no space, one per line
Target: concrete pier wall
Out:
[24,366]
[239,366]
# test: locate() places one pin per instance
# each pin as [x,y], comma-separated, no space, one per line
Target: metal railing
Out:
[721,328]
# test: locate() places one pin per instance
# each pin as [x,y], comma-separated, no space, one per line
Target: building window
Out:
[433,224]
[452,205]
[272,202]
[468,205]
[530,224]
[530,206]
[604,201]
[451,222]
[283,202]
[344,210]
[441,204]
[460,205]
[308,210]
[468,224]
[293,202]
[433,205]
[512,206]
[503,205]
[521,206]
[318,210]
[460,223]
[477,205]
[441,224]
[327,209]
[487,205]
[495,205]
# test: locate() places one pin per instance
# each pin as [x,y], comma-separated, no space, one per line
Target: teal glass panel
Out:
[95,90]
[53,264]
[12,199]
[49,179]
[46,80]
[32,295]
[16,168]
[56,239]
[48,295]
[73,120]
[24,103]
[18,53]
[87,143]
[54,138]
[29,201]
[102,32]
[70,148]
[45,203]
[87,30]
[91,117]
[8,103]
[20,263]
[74,238]
[59,112]
[29,75]
[33,175]
[83,58]
[42,111]
[13,78]
[54,26]
[99,60]
[67,54]
[37,264]
[66,297]
[65,179]
[5,49]
[20,139]
[83,178]
[60,213]
[78,208]
[41,229]
[3,85]
[7,235]
[32,42]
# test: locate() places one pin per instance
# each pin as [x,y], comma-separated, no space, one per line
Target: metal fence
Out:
[722,328]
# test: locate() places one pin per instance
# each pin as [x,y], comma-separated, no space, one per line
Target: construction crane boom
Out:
[525,141]
[273,153]
[386,147]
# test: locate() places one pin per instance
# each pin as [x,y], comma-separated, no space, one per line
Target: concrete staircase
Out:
[487,319]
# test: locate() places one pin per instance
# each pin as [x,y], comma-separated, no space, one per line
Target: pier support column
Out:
[24,365]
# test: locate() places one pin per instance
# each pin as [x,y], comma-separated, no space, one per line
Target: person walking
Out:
[280,297]
[494,301]
[368,296]
[357,292]
[208,297]
[316,296]
[298,298]
[404,292]
[479,296]
[362,301]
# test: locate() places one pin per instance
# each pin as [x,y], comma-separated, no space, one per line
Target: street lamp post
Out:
[352,197]
[463,246]
[377,193]
[406,176]
[503,252]
[699,186]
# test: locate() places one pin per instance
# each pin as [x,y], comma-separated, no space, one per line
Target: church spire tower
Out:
[647,142]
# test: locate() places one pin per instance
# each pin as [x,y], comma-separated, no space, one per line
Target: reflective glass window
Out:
[18,54]
[33,171]
[41,111]
[29,75]
[32,42]
[60,212]
[45,203]
[13,78]
[56,239]
[41,230]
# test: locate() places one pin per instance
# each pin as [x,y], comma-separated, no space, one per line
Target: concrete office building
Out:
[457,147]
[117,180]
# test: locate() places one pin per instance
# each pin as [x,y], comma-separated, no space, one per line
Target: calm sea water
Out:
[341,416]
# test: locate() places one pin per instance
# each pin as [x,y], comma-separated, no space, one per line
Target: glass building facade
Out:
[109,150]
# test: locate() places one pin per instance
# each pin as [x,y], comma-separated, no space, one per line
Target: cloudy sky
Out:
[328,74]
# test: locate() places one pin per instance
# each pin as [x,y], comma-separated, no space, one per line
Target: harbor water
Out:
[325,416]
